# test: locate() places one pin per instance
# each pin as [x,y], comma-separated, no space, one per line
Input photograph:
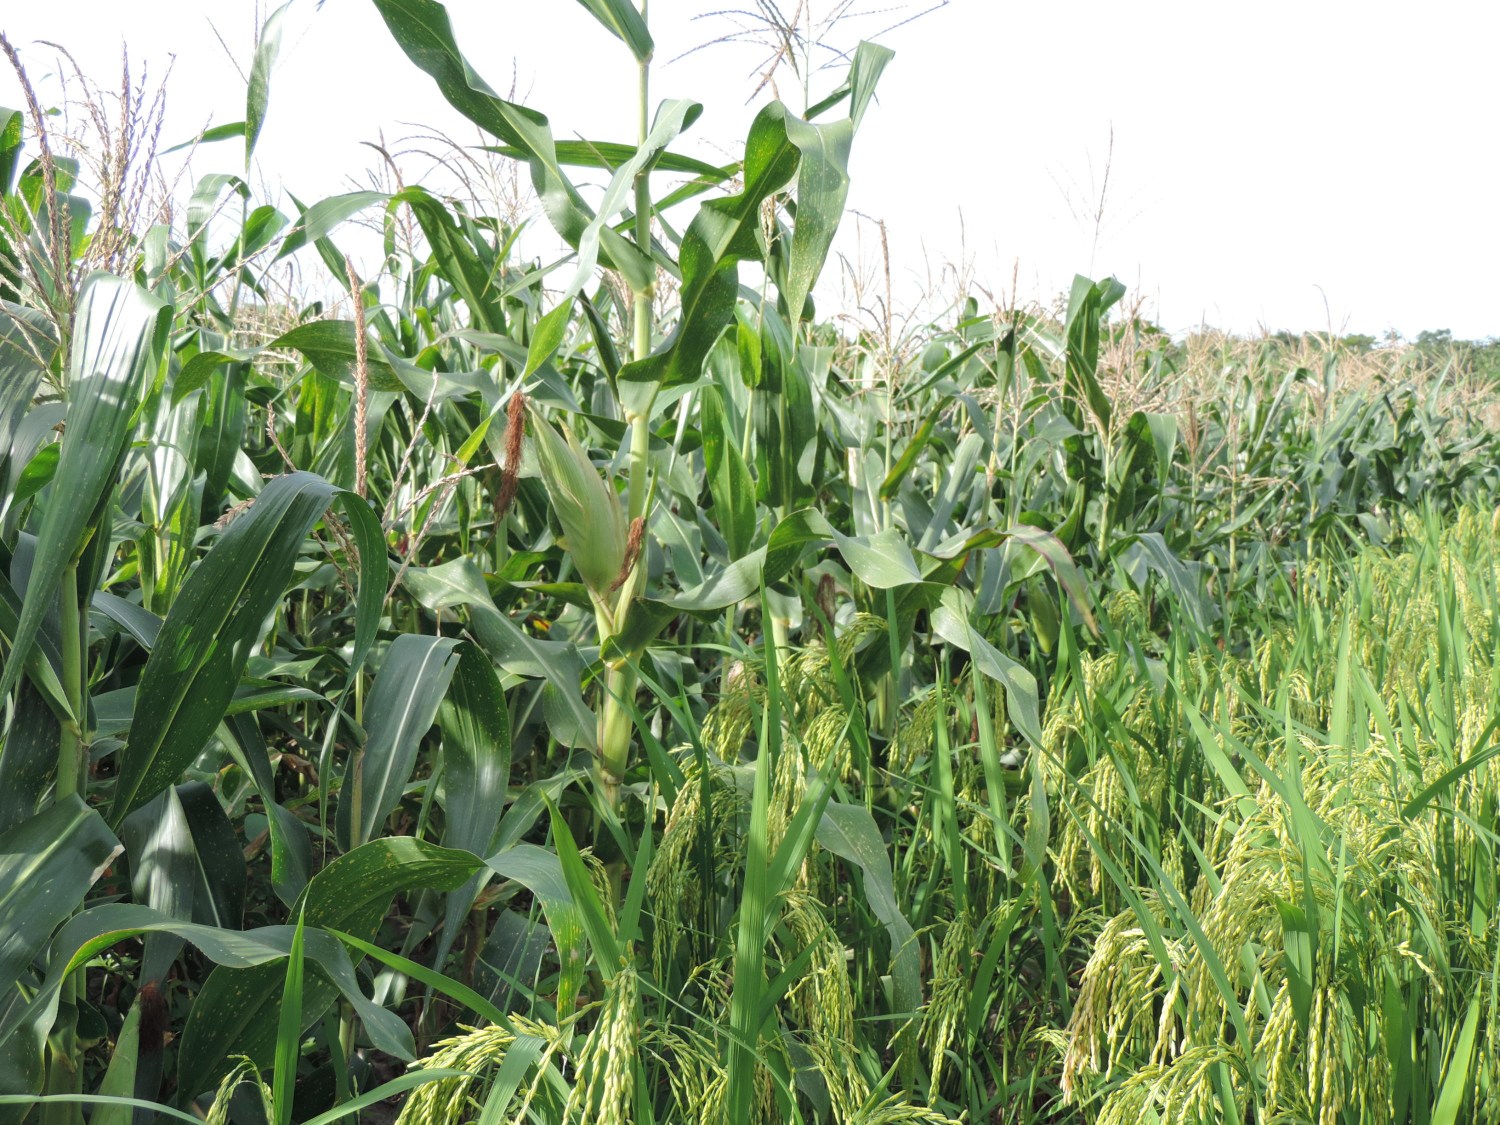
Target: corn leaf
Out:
[118,339]
[403,705]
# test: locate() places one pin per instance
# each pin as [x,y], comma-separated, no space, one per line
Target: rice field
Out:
[604,690]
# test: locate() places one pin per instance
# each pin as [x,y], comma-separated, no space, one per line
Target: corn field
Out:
[610,689]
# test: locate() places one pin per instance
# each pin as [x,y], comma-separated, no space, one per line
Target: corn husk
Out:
[593,522]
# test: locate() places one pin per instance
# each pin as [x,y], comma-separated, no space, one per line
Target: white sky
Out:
[1267,158]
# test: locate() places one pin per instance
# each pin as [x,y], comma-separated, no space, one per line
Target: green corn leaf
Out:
[221,435]
[203,204]
[118,339]
[551,331]
[369,541]
[115,710]
[671,119]
[609,155]
[787,437]
[822,187]
[422,30]
[28,764]
[36,475]
[218,858]
[1044,544]
[624,22]
[1149,551]
[225,132]
[196,372]
[258,96]
[253,953]
[191,680]
[47,864]
[11,121]
[1087,306]
[725,232]
[957,483]
[205,640]
[513,650]
[951,621]
[41,669]
[459,259]
[403,705]
[739,580]
[259,230]
[291,851]
[869,63]
[541,872]
[354,891]
[119,1079]
[27,346]
[238,1009]
[756,909]
[476,769]
[909,456]
[476,753]
[850,832]
[159,846]
[728,477]
[882,560]
[185,861]
[585,898]
[317,222]
[289,1028]
[330,346]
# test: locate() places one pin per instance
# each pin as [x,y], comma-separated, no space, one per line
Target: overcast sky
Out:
[1278,164]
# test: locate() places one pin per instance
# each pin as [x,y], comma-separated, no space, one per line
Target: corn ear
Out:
[592,519]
